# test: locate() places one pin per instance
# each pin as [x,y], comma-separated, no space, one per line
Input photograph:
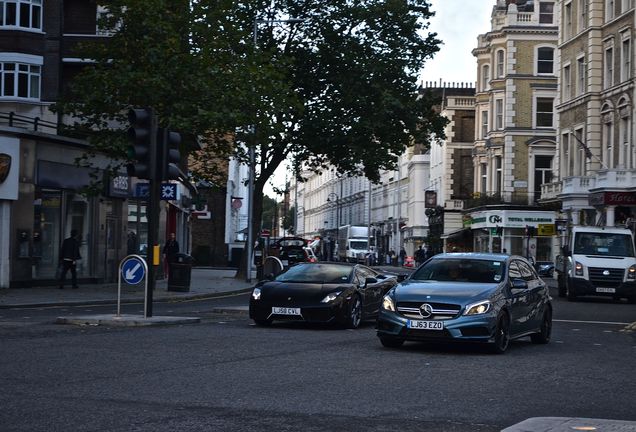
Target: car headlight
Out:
[256,294]
[631,272]
[478,308]
[330,297]
[387,304]
[578,268]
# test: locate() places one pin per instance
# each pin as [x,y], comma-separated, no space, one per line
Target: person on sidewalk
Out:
[401,257]
[170,251]
[69,254]
[132,247]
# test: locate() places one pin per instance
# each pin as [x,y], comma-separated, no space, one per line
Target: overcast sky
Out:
[457,23]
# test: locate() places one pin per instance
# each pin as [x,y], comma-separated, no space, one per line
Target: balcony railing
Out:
[551,190]
[578,184]
[35,124]
[615,178]
[495,198]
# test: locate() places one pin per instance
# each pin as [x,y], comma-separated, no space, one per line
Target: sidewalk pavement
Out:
[204,283]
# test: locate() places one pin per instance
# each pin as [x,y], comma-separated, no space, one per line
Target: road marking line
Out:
[592,322]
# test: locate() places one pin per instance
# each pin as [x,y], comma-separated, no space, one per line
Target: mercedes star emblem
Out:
[606,272]
[426,310]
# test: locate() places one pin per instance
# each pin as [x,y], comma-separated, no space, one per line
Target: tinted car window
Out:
[461,270]
[316,273]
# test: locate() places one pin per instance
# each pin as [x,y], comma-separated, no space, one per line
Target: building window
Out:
[499,120]
[567,83]
[485,77]
[546,12]
[20,80]
[581,155]
[626,5]
[580,76]
[608,78]
[484,178]
[626,151]
[567,18]
[500,63]
[607,137]
[582,15]
[565,155]
[484,124]
[21,13]
[498,174]
[626,59]
[545,61]
[610,10]
[544,114]
[542,173]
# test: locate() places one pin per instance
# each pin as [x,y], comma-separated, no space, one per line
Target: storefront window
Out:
[138,223]
[56,213]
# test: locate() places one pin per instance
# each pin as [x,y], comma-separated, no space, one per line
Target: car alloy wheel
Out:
[543,337]
[355,313]
[502,335]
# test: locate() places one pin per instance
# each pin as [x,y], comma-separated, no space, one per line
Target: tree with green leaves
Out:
[338,88]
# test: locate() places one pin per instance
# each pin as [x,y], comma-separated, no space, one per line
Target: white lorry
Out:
[597,261]
[353,243]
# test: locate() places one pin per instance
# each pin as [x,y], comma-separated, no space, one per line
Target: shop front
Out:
[528,233]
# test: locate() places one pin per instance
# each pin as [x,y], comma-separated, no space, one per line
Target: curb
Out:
[167,299]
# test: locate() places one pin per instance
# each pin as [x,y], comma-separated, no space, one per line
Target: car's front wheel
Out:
[543,337]
[391,342]
[502,335]
[354,318]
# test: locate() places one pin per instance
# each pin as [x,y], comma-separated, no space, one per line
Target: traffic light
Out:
[140,136]
[169,156]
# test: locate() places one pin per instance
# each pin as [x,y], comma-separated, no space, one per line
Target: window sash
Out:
[545,61]
[20,80]
[21,13]
[546,13]
[544,112]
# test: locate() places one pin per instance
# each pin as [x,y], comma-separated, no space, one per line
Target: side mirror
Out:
[270,276]
[401,277]
[519,284]
[370,281]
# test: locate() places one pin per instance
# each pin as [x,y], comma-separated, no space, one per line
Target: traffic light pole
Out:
[154,257]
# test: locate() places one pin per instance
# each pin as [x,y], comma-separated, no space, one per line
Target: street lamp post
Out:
[252,158]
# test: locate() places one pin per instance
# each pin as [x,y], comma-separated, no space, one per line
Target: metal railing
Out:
[35,124]
[494,198]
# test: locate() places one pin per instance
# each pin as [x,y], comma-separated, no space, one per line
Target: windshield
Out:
[358,245]
[604,244]
[316,273]
[461,270]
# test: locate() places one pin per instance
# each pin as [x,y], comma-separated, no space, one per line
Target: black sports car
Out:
[321,292]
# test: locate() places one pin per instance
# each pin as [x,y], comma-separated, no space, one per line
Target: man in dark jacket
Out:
[69,254]
[170,251]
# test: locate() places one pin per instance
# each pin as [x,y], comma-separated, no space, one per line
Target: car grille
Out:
[441,311]
[614,278]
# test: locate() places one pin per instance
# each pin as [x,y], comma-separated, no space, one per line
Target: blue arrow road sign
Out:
[133,271]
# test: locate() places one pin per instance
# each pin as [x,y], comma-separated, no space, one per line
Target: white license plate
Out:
[425,325]
[285,311]
[606,290]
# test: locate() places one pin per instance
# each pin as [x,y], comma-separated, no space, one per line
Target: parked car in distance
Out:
[545,268]
[321,292]
[471,297]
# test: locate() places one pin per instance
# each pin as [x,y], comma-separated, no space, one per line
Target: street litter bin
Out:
[179,273]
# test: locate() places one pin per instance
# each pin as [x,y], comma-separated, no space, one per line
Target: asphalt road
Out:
[227,375]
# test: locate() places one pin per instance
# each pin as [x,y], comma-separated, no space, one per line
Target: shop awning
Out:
[456,233]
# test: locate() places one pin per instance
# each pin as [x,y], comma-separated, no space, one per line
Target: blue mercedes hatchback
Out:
[472,297]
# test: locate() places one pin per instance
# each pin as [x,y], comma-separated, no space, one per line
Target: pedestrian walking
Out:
[170,251]
[420,255]
[402,257]
[69,254]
